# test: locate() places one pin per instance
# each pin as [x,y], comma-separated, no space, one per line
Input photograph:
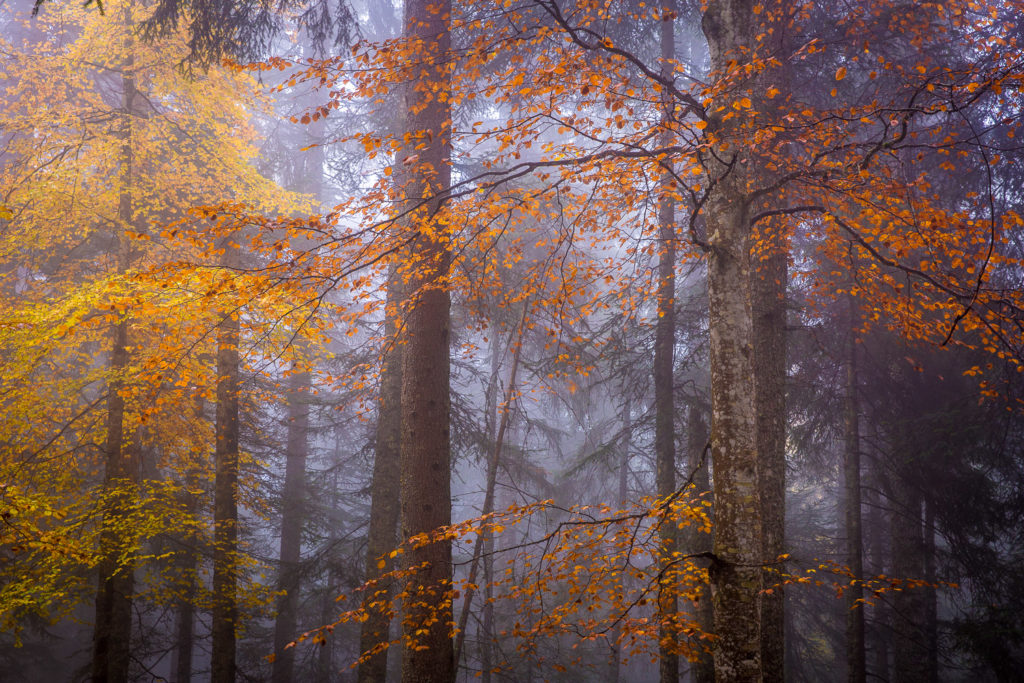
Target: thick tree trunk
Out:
[225,503]
[664,349]
[855,648]
[736,572]
[113,624]
[703,668]
[292,519]
[425,462]
[384,493]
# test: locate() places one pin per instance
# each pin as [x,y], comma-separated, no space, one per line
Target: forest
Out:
[511,340]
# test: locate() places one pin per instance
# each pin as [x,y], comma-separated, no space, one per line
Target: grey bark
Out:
[225,503]
[664,348]
[703,669]
[292,519]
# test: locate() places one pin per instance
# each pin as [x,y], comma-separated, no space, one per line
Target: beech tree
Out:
[816,157]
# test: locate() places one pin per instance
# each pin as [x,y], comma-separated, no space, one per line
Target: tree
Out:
[425,459]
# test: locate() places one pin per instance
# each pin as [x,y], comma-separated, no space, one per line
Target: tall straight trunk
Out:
[879,633]
[113,624]
[292,518]
[855,647]
[736,571]
[384,491]
[931,621]
[225,503]
[425,460]
[181,671]
[664,349]
[615,661]
[771,272]
[703,668]
[909,648]
[486,631]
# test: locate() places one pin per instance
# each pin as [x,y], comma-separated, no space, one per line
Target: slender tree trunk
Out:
[855,647]
[182,668]
[384,492]
[493,463]
[113,624]
[664,349]
[292,519]
[425,462]
[615,661]
[931,623]
[880,629]
[703,668]
[225,503]
[487,625]
[909,615]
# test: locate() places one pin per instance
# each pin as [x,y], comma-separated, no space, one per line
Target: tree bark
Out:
[931,621]
[855,647]
[292,519]
[664,350]
[113,624]
[225,503]
[769,308]
[425,461]
[736,571]
[910,652]
[703,668]
[384,494]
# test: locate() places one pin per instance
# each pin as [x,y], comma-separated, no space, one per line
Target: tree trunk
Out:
[493,463]
[225,503]
[931,622]
[113,624]
[909,649]
[384,493]
[769,307]
[855,649]
[703,668]
[664,349]
[292,518]
[736,571]
[425,461]
[182,667]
